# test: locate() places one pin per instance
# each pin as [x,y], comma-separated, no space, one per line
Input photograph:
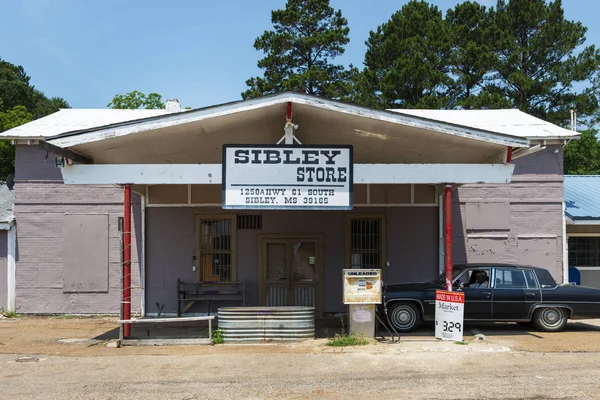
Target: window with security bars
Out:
[584,251]
[249,222]
[215,249]
[366,242]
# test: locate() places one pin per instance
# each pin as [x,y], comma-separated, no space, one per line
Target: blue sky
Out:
[198,51]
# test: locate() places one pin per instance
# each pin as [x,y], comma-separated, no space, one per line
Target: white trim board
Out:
[131,127]
[189,174]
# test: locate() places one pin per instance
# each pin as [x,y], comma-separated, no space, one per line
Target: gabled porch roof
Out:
[378,136]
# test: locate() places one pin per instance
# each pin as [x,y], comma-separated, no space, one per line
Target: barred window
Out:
[366,243]
[216,249]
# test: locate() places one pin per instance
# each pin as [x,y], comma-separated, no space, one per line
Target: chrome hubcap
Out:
[551,316]
[404,317]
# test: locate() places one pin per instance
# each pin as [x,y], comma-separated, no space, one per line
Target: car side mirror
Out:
[461,286]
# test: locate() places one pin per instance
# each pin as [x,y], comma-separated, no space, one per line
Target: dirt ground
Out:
[510,362]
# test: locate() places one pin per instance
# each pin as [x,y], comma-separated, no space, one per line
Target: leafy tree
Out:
[20,102]
[582,157]
[306,36]
[540,58]
[135,100]
[407,60]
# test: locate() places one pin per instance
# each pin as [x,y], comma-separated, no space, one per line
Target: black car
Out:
[495,293]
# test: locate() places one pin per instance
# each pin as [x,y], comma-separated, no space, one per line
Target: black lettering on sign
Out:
[291,200]
[310,157]
[241,157]
[330,155]
[272,157]
[288,160]
[256,154]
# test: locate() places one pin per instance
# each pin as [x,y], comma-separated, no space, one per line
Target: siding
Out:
[41,202]
[3,270]
[411,249]
[533,235]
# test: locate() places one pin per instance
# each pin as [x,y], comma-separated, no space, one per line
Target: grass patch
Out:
[11,314]
[347,340]
[217,336]
[463,343]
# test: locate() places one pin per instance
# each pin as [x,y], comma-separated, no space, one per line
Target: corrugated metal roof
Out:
[7,201]
[507,121]
[74,119]
[582,197]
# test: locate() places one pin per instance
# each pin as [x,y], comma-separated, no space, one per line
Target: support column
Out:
[448,236]
[127,260]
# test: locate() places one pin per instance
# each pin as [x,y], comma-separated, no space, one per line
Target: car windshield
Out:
[441,279]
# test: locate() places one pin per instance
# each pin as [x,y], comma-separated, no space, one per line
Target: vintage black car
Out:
[494,293]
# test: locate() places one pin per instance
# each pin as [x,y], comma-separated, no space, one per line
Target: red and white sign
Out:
[449,315]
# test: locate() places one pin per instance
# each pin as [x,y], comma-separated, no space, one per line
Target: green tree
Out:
[540,56]
[407,60]
[306,36]
[135,100]
[472,56]
[20,102]
[582,157]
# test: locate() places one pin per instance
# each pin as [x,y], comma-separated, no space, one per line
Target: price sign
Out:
[449,314]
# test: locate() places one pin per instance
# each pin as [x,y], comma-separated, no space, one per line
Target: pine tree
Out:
[306,36]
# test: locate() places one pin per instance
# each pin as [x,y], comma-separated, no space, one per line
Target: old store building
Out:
[68,245]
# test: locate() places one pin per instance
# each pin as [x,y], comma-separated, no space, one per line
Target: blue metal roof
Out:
[582,197]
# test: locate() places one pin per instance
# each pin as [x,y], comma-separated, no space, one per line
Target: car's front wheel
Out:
[404,316]
[550,319]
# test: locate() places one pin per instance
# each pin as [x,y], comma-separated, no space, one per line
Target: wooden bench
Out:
[190,292]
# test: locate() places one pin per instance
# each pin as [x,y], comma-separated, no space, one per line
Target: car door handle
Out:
[530,294]
[486,293]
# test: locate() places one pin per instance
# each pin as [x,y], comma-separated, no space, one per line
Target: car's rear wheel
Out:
[550,319]
[404,316]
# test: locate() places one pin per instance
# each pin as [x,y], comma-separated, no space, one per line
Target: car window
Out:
[474,278]
[530,277]
[510,279]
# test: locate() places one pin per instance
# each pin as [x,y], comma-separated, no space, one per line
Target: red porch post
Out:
[448,237]
[127,260]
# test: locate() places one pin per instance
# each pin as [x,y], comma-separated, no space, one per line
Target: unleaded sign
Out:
[287,177]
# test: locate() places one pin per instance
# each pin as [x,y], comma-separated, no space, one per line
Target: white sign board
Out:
[362,286]
[287,177]
[449,313]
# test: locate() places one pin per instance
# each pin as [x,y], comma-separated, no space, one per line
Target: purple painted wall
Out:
[533,235]
[411,249]
[41,202]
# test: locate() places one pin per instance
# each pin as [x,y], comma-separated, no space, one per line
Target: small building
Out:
[499,170]
[582,213]
[7,250]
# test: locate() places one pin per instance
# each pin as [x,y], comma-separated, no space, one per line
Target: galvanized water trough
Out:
[264,324]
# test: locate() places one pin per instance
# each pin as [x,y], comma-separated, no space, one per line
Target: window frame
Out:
[232,218]
[362,216]
[573,253]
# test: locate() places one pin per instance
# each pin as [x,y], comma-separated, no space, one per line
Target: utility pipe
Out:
[127,260]
[448,221]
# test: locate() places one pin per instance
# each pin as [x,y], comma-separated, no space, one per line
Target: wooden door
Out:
[291,271]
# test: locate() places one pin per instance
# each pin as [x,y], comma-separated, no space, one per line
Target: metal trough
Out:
[264,324]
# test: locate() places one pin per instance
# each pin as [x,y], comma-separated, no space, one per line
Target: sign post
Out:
[362,291]
[284,177]
[449,315]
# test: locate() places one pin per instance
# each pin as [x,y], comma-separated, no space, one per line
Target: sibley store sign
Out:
[287,177]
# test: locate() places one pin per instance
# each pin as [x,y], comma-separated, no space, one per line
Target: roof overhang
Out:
[378,136]
[582,220]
